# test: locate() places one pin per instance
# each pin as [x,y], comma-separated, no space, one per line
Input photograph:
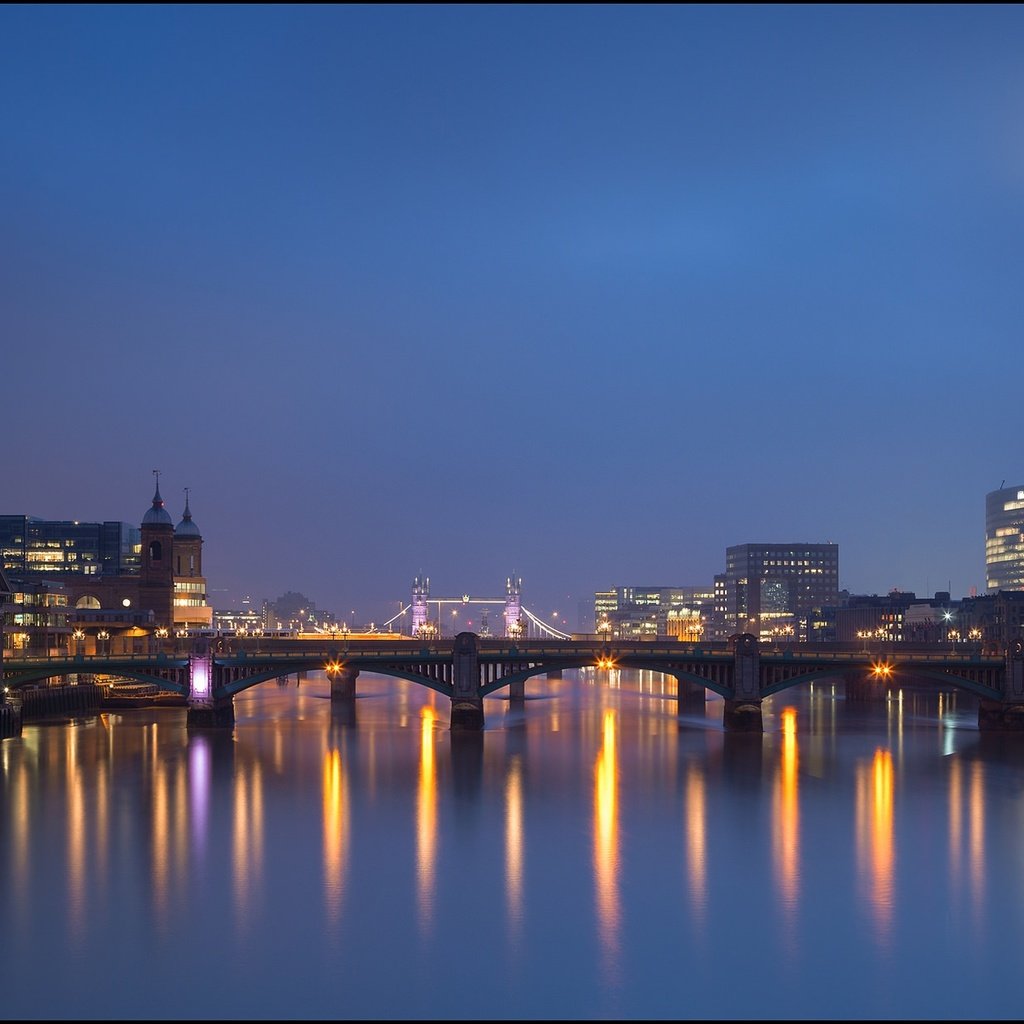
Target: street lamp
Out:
[160,634]
[104,637]
[79,636]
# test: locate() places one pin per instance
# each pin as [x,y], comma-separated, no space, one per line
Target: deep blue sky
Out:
[583,293]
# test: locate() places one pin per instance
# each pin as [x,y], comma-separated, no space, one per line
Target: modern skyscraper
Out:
[777,590]
[1004,539]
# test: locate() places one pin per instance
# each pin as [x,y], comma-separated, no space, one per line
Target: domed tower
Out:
[190,603]
[156,582]
[188,545]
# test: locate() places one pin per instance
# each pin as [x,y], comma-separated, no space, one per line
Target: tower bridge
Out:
[429,619]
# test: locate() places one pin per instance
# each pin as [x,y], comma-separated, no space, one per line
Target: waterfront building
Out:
[191,607]
[246,620]
[35,618]
[606,605]
[651,613]
[777,591]
[994,620]
[30,546]
[1004,539]
[112,582]
[897,617]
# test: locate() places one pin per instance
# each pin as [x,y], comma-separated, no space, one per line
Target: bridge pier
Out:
[743,716]
[467,704]
[219,715]
[517,689]
[1007,714]
[691,697]
[205,711]
[343,685]
[743,710]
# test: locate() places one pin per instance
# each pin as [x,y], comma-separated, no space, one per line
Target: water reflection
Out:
[606,846]
[336,832]
[247,839]
[426,822]
[696,842]
[514,841]
[199,792]
[969,836]
[875,842]
[77,840]
[786,835]
[601,838]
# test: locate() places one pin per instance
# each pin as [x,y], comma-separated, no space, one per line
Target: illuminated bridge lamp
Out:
[199,679]
[881,670]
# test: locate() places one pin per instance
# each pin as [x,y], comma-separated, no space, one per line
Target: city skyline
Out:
[584,294]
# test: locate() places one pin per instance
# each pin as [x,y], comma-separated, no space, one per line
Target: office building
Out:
[30,546]
[777,591]
[1004,539]
[651,613]
[109,579]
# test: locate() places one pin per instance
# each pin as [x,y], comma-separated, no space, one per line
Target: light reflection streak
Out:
[514,846]
[247,839]
[102,827]
[606,839]
[976,850]
[78,839]
[875,841]
[22,877]
[161,835]
[336,832]
[786,834]
[696,841]
[956,824]
[426,821]
[199,790]
[179,789]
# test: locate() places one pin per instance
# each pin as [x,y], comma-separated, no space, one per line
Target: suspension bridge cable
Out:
[550,630]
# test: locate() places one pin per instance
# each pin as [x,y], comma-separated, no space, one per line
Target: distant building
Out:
[1004,539]
[994,620]
[896,617]
[776,591]
[650,613]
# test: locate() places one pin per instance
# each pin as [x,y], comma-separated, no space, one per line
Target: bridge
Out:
[517,620]
[467,668]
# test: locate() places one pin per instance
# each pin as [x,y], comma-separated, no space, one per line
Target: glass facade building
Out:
[35,547]
[776,591]
[1004,539]
[650,613]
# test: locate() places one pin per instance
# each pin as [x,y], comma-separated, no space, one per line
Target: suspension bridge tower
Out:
[420,594]
[513,606]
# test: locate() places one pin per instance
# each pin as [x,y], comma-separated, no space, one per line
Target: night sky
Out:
[586,294]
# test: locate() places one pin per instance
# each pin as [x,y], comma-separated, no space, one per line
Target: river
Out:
[592,854]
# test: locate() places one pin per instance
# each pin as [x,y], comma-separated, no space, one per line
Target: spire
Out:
[157,515]
[186,528]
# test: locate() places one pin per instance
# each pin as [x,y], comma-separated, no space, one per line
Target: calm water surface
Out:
[591,855]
